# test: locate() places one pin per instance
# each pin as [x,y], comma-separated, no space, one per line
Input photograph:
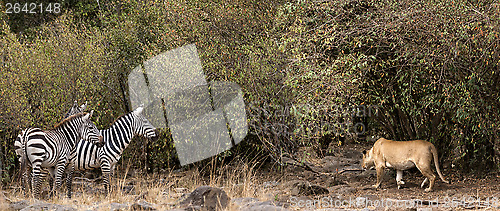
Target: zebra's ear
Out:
[75,104]
[88,116]
[138,110]
[83,106]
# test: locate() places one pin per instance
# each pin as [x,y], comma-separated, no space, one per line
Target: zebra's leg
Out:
[36,180]
[69,178]
[106,176]
[26,182]
[50,172]
[47,173]
[60,169]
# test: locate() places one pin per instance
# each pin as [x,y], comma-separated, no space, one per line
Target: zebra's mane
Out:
[120,118]
[69,119]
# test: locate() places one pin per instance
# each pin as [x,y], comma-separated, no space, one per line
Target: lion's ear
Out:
[364,152]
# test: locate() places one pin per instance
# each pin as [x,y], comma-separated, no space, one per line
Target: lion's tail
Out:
[436,163]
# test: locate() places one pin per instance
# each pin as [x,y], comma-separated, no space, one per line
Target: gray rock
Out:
[396,204]
[344,189]
[208,198]
[193,208]
[142,205]
[47,207]
[240,202]
[18,205]
[270,184]
[113,207]
[264,206]
[307,189]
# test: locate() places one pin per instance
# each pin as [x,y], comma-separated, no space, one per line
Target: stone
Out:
[142,205]
[19,205]
[307,189]
[47,207]
[113,207]
[264,206]
[270,184]
[243,201]
[206,197]
[344,189]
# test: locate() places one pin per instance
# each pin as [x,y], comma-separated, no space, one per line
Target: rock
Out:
[181,190]
[208,198]
[363,175]
[396,204]
[19,205]
[306,188]
[333,164]
[113,207]
[47,207]
[270,184]
[344,189]
[352,154]
[264,206]
[240,202]
[142,205]
[193,208]
[450,193]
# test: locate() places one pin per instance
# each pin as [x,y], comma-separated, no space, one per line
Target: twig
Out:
[87,179]
[346,170]
[5,197]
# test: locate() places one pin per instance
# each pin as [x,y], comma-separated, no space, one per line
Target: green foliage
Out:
[432,67]
[307,70]
[87,52]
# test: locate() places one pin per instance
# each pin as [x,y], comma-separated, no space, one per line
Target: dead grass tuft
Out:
[237,179]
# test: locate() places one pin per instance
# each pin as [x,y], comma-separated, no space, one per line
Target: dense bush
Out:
[87,52]
[311,71]
[431,66]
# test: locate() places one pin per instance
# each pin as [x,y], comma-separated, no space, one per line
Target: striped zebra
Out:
[75,109]
[116,139]
[20,152]
[56,148]
[19,145]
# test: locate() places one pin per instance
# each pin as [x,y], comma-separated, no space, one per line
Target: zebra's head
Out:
[141,125]
[75,109]
[89,132]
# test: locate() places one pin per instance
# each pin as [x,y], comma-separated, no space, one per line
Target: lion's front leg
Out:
[399,177]
[380,176]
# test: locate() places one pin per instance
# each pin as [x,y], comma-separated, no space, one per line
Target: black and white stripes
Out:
[19,146]
[54,149]
[116,140]
[89,156]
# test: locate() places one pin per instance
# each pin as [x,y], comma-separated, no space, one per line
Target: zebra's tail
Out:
[23,164]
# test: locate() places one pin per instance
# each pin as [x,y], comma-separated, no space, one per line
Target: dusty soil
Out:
[353,189]
[331,182]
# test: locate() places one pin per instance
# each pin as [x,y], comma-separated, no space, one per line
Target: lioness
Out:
[403,155]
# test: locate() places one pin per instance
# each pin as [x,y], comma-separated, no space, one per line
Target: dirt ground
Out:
[334,181]
[353,189]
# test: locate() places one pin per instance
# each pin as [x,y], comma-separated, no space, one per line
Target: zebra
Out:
[75,109]
[19,145]
[116,139]
[54,149]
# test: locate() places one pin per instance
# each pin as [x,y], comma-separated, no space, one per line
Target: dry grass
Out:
[238,179]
